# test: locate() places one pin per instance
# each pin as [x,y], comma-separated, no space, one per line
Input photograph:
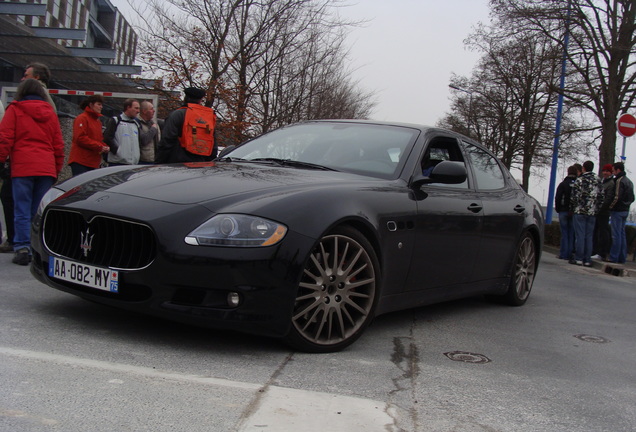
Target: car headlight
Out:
[237,230]
[49,197]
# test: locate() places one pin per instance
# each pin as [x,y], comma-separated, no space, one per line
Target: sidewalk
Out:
[621,270]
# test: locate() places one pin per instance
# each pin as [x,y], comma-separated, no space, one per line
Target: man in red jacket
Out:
[88,142]
[31,137]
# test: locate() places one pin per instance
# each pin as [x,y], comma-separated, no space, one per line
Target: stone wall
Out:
[66,123]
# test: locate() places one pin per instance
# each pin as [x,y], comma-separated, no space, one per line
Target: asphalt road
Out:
[566,361]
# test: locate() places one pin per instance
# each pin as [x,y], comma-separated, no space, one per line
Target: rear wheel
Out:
[523,272]
[337,293]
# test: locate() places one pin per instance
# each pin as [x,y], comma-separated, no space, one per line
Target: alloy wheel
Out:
[336,294]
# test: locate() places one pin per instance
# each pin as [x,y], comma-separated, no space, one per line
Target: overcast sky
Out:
[406,54]
[408,51]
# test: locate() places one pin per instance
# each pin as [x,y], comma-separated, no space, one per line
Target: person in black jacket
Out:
[602,231]
[169,149]
[619,210]
[562,207]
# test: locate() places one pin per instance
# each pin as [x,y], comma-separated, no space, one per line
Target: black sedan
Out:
[305,233]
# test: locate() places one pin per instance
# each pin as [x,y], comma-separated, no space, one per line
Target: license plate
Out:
[99,278]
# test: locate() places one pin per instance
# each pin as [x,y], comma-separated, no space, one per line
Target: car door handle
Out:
[475,208]
[520,208]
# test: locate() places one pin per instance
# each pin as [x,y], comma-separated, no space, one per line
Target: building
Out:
[87,44]
[92,29]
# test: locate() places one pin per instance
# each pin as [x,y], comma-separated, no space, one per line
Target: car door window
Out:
[486,169]
[442,149]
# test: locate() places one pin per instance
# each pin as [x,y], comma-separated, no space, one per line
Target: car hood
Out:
[203,182]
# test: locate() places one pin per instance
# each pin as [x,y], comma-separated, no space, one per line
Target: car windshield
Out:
[369,149]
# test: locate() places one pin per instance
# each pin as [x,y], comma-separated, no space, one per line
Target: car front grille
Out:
[103,241]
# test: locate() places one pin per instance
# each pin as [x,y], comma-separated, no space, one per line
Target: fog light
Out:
[233,299]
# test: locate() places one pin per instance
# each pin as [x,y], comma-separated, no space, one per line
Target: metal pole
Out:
[623,154]
[557,131]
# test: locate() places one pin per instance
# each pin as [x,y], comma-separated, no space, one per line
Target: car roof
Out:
[423,128]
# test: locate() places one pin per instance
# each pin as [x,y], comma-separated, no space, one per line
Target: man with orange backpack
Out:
[188,132]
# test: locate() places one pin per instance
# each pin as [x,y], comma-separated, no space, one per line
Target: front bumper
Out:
[191,284]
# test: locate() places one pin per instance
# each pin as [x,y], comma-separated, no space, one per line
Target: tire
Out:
[337,294]
[523,272]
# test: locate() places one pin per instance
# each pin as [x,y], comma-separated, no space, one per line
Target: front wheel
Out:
[523,272]
[337,293]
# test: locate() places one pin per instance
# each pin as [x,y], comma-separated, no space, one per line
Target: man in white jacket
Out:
[122,136]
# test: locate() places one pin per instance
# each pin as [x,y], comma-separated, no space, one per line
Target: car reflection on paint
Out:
[305,233]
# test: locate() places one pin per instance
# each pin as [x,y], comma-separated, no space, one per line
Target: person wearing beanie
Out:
[623,197]
[602,230]
[171,147]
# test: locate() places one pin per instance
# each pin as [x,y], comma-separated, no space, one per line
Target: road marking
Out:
[291,410]
[128,369]
[278,409]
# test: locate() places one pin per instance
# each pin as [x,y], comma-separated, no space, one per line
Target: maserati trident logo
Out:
[87,241]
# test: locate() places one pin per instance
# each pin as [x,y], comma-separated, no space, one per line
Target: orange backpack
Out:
[197,136]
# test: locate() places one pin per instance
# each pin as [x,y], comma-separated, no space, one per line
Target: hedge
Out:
[553,236]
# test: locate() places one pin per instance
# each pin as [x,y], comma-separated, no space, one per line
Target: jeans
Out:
[78,169]
[6,197]
[584,231]
[602,236]
[567,235]
[27,194]
[618,251]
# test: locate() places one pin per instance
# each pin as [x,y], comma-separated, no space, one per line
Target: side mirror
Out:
[225,151]
[446,172]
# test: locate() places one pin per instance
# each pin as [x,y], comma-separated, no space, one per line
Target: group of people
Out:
[593,213]
[133,137]
[32,147]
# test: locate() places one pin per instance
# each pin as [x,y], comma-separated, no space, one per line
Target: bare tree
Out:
[313,84]
[263,63]
[601,53]
[512,101]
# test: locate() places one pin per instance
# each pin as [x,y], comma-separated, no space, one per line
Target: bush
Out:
[631,238]
[553,234]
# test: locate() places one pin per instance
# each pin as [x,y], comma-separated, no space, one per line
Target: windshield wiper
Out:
[293,163]
[229,159]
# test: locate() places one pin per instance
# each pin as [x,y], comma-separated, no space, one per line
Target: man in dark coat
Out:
[562,207]
[169,149]
[602,231]
[619,210]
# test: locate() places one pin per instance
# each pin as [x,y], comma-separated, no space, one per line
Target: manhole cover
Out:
[466,357]
[591,338]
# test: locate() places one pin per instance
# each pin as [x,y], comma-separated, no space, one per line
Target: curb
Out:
[619,270]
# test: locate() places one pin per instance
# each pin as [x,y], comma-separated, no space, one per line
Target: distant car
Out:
[305,233]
